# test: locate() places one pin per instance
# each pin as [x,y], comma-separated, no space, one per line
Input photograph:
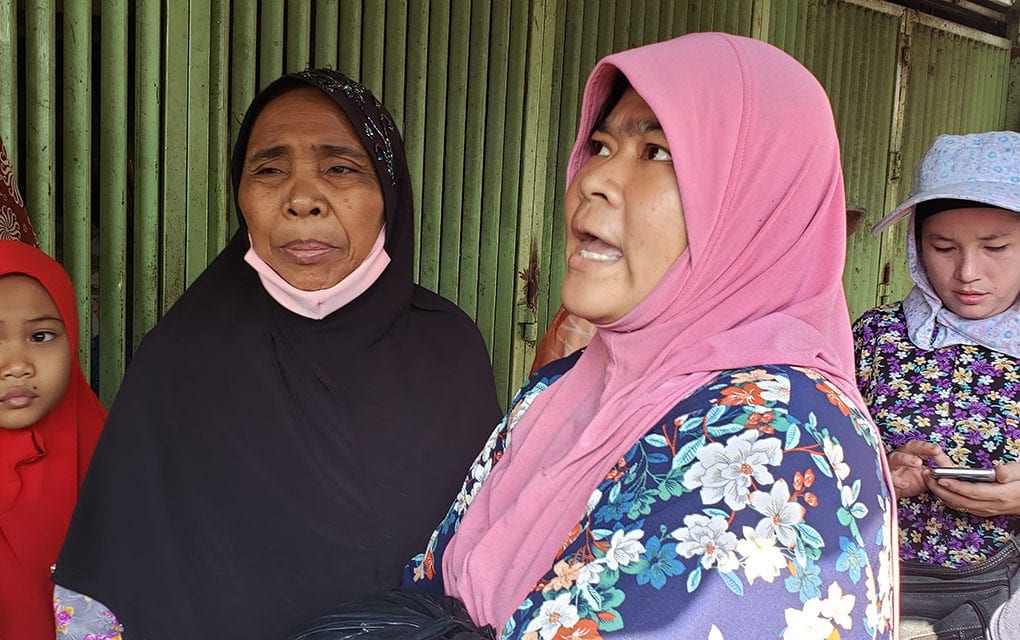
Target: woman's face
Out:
[35,354]
[309,191]
[625,223]
[972,257]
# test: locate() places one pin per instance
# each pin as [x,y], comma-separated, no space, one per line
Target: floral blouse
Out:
[964,398]
[756,506]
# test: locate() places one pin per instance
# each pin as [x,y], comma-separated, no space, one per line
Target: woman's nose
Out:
[601,178]
[967,268]
[306,198]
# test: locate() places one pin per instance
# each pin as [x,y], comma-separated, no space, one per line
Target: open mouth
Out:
[593,248]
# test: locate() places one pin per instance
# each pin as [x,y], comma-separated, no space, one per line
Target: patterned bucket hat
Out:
[980,167]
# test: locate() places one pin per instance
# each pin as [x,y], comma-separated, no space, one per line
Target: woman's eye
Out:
[657,153]
[42,336]
[340,169]
[266,171]
[1000,247]
[938,249]
[599,149]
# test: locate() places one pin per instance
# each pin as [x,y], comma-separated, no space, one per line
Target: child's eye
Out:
[998,248]
[43,336]
[657,153]
[938,249]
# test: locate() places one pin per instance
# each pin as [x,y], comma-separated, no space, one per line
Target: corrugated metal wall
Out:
[957,83]
[896,79]
[853,51]
[120,117]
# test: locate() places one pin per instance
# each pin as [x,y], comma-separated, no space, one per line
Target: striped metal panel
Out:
[853,50]
[486,93]
[958,84]
[138,218]
[77,163]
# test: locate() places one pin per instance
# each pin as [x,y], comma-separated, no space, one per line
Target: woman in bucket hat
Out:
[940,372]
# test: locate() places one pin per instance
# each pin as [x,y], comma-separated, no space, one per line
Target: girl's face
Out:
[35,355]
[625,223]
[972,258]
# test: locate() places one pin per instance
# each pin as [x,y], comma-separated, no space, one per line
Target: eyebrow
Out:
[47,319]
[988,238]
[328,150]
[631,126]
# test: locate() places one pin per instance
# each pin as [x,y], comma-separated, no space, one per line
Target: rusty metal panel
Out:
[958,84]
[852,48]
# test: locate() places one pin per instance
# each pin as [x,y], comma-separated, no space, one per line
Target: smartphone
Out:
[964,473]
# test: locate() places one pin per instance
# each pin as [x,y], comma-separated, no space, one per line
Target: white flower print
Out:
[781,515]
[837,607]
[709,538]
[726,472]
[624,548]
[589,574]
[714,633]
[834,454]
[762,558]
[775,389]
[808,623]
[553,615]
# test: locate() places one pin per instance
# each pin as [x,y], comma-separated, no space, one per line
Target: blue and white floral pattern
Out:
[756,506]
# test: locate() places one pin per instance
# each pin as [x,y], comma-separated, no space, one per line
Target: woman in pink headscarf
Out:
[704,468]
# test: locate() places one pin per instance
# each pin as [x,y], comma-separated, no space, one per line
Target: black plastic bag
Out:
[396,615]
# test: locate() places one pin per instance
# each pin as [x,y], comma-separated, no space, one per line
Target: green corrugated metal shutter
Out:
[957,83]
[149,206]
[128,176]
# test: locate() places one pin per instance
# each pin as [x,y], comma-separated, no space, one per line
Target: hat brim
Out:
[1005,195]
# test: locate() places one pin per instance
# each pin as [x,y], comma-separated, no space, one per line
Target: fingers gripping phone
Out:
[964,473]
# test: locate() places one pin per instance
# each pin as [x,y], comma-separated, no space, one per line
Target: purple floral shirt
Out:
[964,398]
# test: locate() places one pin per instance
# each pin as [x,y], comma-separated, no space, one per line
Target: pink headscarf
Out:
[757,161]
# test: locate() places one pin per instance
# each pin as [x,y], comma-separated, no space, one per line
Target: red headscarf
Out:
[14,223]
[41,469]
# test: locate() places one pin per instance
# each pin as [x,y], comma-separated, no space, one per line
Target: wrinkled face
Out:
[35,355]
[625,224]
[309,191]
[972,257]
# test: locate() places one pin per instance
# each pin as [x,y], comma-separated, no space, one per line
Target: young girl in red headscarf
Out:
[49,423]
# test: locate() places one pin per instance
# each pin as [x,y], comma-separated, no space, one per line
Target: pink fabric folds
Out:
[316,305]
[757,160]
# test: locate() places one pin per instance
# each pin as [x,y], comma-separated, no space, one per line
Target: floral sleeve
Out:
[79,617]
[757,504]
[864,345]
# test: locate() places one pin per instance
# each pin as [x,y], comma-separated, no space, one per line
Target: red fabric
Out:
[41,469]
[14,222]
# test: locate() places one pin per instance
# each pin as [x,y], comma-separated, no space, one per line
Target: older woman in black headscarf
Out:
[296,425]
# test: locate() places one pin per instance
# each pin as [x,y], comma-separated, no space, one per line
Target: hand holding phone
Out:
[964,473]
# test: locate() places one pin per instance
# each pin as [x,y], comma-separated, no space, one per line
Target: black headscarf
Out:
[258,466]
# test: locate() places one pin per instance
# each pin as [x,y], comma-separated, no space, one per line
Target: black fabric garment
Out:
[257,466]
[396,615]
